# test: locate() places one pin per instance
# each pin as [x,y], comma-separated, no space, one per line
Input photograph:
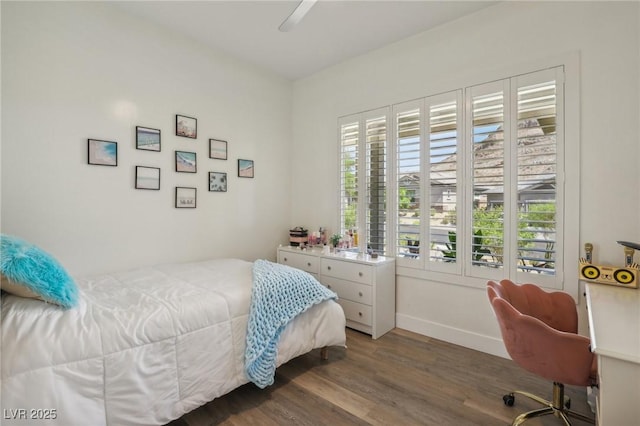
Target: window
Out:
[444,122]
[435,120]
[376,179]
[365,136]
[349,141]
[471,178]
[488,165]
[408,179]
[539,197]
[514,143]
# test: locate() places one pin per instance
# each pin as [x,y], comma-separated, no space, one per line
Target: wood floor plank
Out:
[333,393]
[402,378]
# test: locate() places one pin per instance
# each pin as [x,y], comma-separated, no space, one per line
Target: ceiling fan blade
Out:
[297,15]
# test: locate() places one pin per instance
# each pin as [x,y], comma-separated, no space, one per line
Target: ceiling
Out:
[331,32]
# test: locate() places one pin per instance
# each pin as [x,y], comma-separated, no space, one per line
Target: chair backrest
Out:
[556,309]
[559,355]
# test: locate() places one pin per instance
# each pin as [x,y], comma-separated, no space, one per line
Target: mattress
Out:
[143,347]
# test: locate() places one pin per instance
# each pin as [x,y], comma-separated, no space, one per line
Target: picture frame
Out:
[217,182]
[245,168]
[147,178]
[102,153]
[186,197]
[186,127]
[217,149]
[147,139]
[186,162]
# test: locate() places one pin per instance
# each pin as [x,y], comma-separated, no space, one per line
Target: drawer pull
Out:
[359,314]
[308,263]
[329,286]
[359,274]
[285,259]
[360,293]
[329,268]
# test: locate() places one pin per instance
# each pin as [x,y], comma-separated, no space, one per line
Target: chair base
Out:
[556,407]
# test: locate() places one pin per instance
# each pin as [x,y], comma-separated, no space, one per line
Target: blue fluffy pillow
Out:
[26,265]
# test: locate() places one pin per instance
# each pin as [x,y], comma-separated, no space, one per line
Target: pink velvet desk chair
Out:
[539,330]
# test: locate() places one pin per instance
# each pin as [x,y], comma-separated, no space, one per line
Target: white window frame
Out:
[567,183]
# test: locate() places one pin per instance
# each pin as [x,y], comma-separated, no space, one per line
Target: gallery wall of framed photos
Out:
[147,176]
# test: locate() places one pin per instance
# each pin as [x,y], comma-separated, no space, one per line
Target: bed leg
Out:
[324,353]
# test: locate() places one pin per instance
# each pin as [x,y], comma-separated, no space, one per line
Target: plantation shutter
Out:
[539,137]
[466,183]
[444,174]
[408,131]
[485,244]
[376,182]
[349,142]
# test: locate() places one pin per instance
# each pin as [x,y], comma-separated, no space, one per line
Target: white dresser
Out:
[614,326]
[366,287]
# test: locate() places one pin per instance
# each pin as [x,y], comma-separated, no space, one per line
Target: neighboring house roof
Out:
[537,168]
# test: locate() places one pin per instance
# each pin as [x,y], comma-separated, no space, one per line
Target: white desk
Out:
[614,325]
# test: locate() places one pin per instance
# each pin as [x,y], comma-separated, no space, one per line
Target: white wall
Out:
[470,51]
[78,70]
[72,71]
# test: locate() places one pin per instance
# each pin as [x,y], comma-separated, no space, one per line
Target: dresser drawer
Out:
[347,270]
[301,261]
[356,311]
[348,290]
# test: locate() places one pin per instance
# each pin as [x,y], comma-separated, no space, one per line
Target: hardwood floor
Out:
[400,379]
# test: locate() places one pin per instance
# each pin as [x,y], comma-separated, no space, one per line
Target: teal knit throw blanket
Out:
[279,294]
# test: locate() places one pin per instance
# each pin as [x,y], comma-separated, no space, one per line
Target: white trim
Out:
[572,126]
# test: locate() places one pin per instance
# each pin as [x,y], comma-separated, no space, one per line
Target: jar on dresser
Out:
[366,287]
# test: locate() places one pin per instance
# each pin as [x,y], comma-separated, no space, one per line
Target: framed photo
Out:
[147,177]
[245,168]
[186,126]
[102,153]
[185,197]
[186,162]
[147,138]
[217,149]
[217,182]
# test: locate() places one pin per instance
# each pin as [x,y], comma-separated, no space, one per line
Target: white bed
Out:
[142,347]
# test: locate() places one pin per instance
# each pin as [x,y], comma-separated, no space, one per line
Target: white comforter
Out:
[143,347]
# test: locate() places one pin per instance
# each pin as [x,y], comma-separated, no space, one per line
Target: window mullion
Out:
[511,177]
[361,223]
[425,181]
[463,199]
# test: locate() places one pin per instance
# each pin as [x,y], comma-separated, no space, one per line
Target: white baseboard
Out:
[468,339]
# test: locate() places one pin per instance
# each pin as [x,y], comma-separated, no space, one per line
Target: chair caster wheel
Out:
[567,402]
[509,399]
